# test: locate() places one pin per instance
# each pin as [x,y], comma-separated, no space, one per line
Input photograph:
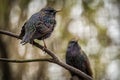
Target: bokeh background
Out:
[96,23]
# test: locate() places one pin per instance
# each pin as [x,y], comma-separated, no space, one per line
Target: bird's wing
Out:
[44,28]
[41,27]
[22,31]
[29,32]
[87,64]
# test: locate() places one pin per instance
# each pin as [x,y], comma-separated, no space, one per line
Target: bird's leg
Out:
[31,41]
[44,44]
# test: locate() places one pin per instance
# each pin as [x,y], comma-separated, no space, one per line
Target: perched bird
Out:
[77,58]
[39,26]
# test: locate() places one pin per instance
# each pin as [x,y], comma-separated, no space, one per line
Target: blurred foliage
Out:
[24,4]
[103,38]
[5,7]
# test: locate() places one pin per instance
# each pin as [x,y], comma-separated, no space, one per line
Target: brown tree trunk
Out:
[5,67]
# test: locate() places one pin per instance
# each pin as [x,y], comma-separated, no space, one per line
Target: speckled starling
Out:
[39,26]
[76,57]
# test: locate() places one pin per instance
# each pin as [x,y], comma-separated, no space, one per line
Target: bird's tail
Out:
[25,39]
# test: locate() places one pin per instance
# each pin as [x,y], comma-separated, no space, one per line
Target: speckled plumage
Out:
[39,26]
[78,59]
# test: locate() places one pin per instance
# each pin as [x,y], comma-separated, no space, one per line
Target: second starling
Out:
[76,57]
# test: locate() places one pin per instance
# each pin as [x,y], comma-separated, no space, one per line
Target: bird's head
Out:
[49,11]
[73,44]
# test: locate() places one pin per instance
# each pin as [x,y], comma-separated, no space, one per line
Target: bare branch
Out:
[70,68]
[9,34]
[24,61]
[54,60]
[45,49]
[34,43]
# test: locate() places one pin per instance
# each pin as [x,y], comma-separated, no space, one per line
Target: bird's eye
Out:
[51,11]
[72,41]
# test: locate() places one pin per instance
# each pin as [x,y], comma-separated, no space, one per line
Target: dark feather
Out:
[22,31]
[78,59]
[39,26]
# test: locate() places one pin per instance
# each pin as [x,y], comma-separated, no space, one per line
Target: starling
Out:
[77,58]
[39,26]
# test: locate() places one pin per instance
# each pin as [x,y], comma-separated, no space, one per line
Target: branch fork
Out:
[53,59]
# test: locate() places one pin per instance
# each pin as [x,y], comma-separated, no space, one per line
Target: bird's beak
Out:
[58,11]
[76,39]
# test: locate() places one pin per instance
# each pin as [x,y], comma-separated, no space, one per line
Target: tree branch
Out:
[24,61]
[54,60]
[33,43]
[9,34]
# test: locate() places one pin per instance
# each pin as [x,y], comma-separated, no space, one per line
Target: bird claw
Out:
[31,42]
[44,46]
[44,49]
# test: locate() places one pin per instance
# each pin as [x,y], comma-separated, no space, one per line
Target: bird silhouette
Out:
[39,26]
[76,57]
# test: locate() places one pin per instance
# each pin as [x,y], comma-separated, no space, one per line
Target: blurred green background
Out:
[96,23]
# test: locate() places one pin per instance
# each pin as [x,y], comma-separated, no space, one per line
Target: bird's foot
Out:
[31,42]
[45,47]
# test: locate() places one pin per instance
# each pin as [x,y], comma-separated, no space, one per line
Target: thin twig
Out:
[54,60]
[47,60]
[24,61]
[9,34]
